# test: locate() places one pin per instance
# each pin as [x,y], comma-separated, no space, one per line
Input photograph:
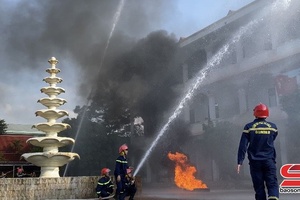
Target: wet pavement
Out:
[174,193]
[164,192]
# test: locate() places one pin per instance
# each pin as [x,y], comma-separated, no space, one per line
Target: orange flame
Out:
[184,173]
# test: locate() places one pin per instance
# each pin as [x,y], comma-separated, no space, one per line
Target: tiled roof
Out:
[6,142]
[23,129]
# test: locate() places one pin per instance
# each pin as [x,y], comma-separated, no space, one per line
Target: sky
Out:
[75,32]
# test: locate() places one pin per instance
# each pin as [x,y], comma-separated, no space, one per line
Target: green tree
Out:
[3,126]
[96,148]
[138,83]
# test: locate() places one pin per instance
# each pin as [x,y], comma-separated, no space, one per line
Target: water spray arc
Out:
[212,64]
[115,21]
[199,79]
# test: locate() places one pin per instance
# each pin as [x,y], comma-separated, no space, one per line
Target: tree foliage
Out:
[139,84]
[3,126]
[96,148]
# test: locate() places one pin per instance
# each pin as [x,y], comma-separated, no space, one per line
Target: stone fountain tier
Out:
[50,128]
[53,70]
[52,102]
[49,159]
[51,113]
[52,80]
[52,91]
[51,141]
[50,162]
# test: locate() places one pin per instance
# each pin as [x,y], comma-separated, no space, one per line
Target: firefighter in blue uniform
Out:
[258,140]
[130,187]
[105,187]
[121,171]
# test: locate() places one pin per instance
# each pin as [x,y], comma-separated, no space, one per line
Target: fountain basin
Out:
[52,91]
[51,127]
[48,159]
[52,80]
[53,70]
[51,141]
[51,113]
[52,102]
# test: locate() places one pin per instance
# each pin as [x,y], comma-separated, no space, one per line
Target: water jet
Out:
[212,64]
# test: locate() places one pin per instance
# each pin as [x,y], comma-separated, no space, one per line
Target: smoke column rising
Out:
[212,64]
[73,31]
[116,19]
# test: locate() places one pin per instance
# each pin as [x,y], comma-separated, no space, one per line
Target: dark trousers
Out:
[130,191]
[120,193]
[125,191]
[263,172]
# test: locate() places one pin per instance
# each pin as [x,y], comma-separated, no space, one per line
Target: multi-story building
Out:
[252,55]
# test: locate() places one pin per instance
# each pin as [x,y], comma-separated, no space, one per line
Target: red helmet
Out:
[261,111]
[104,171]
[128,170]
[123,148]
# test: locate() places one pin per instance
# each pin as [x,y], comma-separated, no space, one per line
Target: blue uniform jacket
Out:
[105,187]
[121,167]
[258,140]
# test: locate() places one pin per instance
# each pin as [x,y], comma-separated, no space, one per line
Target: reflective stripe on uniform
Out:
[260,129]
[121,161]
[104,183]
[273,198]
[264,129]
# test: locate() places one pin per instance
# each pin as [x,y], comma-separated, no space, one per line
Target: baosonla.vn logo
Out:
[291,182]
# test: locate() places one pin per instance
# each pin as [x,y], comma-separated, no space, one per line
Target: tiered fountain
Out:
[51,159]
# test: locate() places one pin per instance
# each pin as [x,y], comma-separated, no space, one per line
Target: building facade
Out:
[12,146]
[249,56]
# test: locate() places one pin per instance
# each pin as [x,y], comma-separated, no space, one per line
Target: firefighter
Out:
[105,187]
[130,187]
[258,140]
[121,171]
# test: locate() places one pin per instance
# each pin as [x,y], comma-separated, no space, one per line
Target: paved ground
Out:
[171,192]
[174,193]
